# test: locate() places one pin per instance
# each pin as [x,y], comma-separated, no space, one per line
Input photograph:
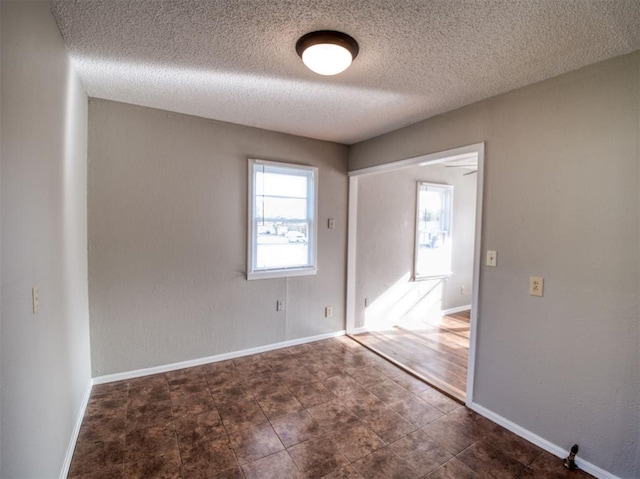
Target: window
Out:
[282,220]
[433,231]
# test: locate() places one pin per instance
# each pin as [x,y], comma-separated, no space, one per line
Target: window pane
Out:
[279,184]
[434,240]
[282,213]
[268,208]
[283,245]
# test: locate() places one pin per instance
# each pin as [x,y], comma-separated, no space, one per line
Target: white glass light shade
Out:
[327,52]
[327,58]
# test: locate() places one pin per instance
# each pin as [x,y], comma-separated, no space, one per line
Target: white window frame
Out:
[449,190]
[312,213]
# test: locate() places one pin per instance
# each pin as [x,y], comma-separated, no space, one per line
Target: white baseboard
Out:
[76,430]
[361,330]
[211,359]
[457,309]
[540,441]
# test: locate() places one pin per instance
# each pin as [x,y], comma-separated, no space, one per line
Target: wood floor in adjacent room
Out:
[437,350]
[330,409]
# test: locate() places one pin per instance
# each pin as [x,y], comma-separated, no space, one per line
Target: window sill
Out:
[281,273]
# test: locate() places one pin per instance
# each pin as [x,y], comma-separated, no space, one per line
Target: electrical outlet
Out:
[536,285]
[492,258]
[35,297]
[328,312]
[279,305]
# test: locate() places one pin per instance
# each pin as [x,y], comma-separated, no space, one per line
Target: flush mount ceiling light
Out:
[327,52]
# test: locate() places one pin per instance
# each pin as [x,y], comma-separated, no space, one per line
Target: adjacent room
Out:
[416,230]
[221,259]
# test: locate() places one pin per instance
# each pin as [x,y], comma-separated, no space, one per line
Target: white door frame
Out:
[476,150]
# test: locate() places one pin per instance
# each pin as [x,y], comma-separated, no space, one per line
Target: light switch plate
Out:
[492,258]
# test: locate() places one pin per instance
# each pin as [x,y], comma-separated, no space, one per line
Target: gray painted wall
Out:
[45,369]
[1,155]
[386,242]
[168,233]
[561,201]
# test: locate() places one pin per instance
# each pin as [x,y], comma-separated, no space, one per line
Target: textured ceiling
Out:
[236,61]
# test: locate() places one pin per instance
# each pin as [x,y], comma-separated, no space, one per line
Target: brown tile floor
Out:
[330,409]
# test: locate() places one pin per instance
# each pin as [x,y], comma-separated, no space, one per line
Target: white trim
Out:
[352,230]
[361,330]
[454,154]
[211,359]
[76,430]
[311,173]
[540,441]
[457,309]
[282,273]
[477,264]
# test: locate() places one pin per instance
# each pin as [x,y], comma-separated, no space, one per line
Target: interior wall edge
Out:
[45,350]
[76,431]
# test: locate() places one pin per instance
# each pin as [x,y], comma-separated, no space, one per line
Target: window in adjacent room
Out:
[433,230]
[282,219]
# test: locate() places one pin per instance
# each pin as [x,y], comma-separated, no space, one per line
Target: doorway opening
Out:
[414,258]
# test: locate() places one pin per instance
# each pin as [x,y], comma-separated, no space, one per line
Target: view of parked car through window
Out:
[282,218]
